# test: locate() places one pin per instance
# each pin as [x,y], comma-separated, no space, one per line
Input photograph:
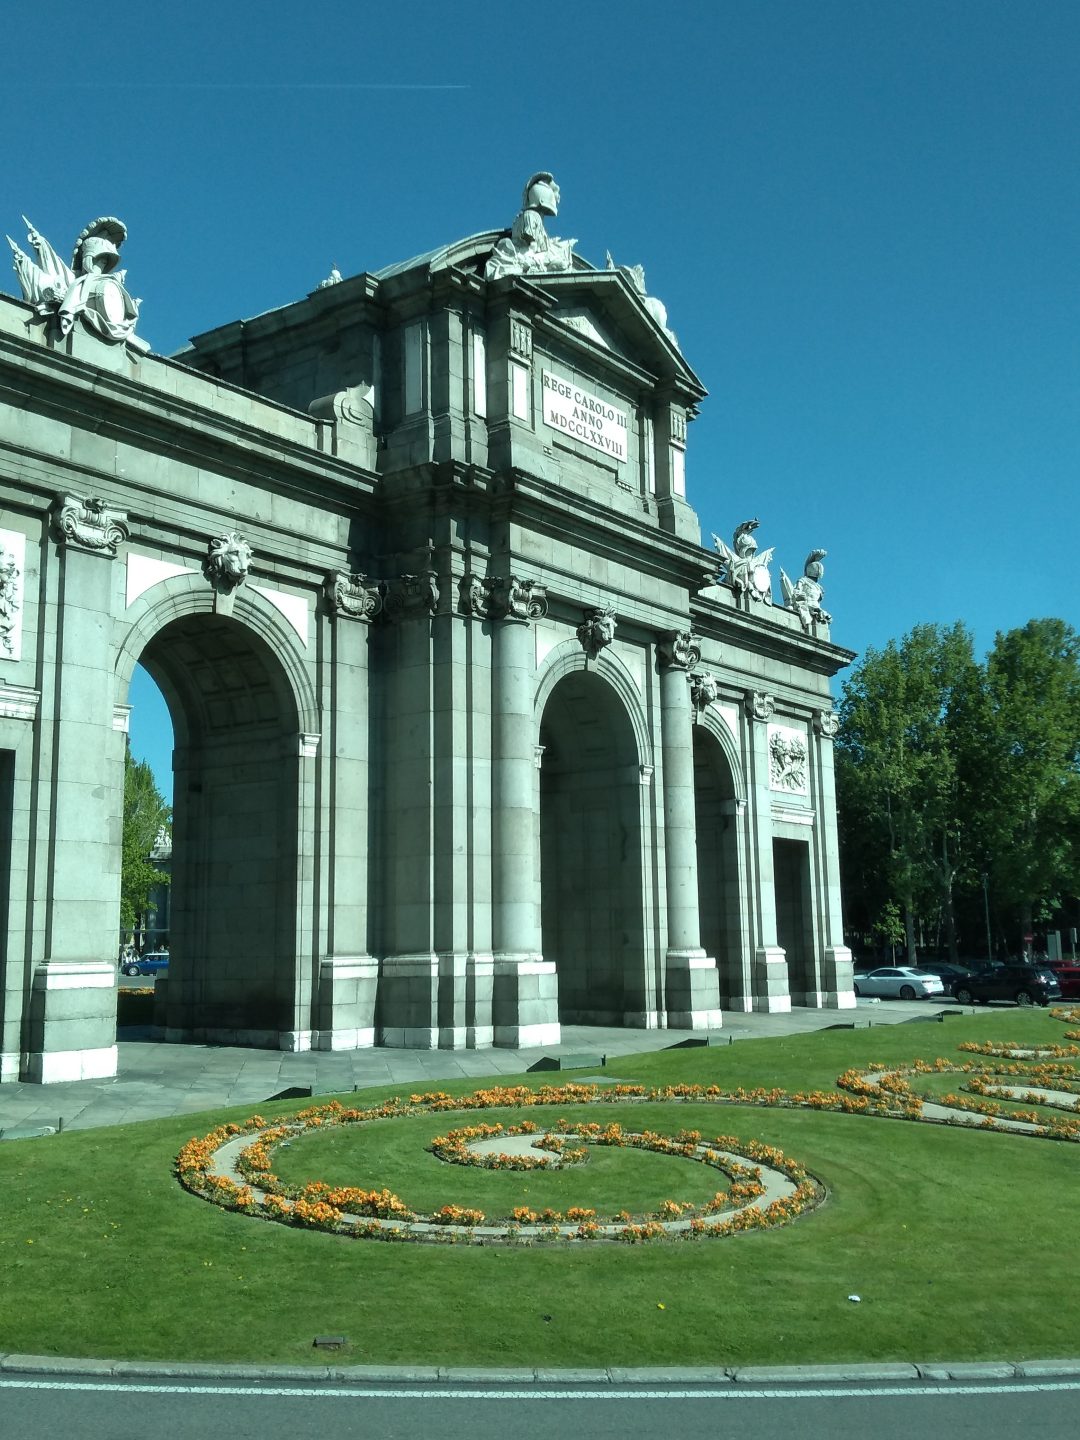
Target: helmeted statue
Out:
[806,594]
[743,568]
[91,288]
[529,246]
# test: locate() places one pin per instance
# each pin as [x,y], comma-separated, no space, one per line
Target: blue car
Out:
[154,962]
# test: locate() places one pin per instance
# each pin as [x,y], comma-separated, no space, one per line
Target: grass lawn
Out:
[959,1242]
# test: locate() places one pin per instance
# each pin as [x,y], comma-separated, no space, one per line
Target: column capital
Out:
[410,594]
[513,598]
[678,650]
[759,705]
[89,524]
[351,596]
[827,724]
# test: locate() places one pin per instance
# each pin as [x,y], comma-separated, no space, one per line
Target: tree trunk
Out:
[909,933]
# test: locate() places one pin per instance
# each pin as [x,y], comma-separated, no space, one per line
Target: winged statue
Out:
[743,567]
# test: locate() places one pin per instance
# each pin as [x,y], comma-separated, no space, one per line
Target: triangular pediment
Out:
[606,308]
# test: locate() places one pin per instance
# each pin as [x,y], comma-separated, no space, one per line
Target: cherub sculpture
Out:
[806,594]
[529,246]
[742,567]
[91,288]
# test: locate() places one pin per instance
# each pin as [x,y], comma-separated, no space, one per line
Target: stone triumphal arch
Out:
[473,737]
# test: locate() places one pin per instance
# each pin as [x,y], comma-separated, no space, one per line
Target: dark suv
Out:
[1026,984]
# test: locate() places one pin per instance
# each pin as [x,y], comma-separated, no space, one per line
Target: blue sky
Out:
[862,215]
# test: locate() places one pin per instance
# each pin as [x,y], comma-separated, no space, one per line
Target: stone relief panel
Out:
[788,761]
[12,572]
[89,524]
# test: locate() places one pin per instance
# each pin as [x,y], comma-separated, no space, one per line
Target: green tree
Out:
[145,815]
[1022,770]
[903,840]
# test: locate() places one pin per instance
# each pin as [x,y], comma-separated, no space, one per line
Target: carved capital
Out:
[678,650]
[758,705]
[351,596]
[89,524]
[827,724]
[227,563]
[597,630]
[411,595]
[704,689]
[474,595]
[516,599]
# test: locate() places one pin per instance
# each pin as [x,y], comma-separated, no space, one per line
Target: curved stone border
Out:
[231,1167]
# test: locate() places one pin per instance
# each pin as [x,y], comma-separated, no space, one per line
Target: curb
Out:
[64,1366]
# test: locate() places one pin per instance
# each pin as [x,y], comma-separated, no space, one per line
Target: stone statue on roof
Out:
[806,594]
[91,289]
[529,248]
[656,308]
[743,567]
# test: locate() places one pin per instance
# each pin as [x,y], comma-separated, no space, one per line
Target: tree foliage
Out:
[953,774]
[146,813]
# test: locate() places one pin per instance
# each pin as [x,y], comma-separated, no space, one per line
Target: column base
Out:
[72,1021]
[407,1009]
[769,980]
[297,1041]
[50,1067]
[10,1065]
[692,987]
[345,1009]
[837,978]
[524,1001]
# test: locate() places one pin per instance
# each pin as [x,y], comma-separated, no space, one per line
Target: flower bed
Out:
[246,1181]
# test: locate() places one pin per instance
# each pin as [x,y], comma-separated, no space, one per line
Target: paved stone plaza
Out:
[474,740]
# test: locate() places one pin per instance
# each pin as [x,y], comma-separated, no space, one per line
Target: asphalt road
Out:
[95,1409]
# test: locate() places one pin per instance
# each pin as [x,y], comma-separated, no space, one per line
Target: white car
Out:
[899,982]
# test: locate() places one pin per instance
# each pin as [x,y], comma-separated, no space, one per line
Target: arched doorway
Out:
[720,884]
[591,853]
[234,914]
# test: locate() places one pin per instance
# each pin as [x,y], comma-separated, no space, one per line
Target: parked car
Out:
[1025,984]
[152,963]
[950,975]
[1068,977]
[898,982]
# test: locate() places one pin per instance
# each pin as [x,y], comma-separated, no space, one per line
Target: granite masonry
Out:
[473,737]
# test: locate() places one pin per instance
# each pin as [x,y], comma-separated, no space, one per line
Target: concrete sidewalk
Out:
[156,1080]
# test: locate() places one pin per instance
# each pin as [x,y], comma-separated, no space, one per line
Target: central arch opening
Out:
[234,894]
[591,854]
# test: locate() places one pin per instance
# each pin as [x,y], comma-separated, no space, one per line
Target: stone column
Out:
[525,1003]
[769,972]
[348,973]
[71,1032]
[693,985]
[837,977]
[408,1001]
